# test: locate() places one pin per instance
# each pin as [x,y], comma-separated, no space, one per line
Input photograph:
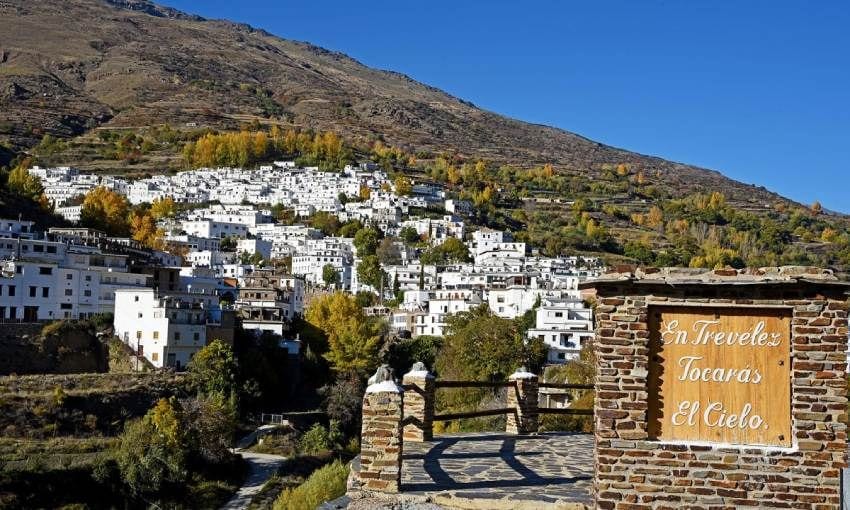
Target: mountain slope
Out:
[72,65]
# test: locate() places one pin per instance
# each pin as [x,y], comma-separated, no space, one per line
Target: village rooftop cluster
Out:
[221,262]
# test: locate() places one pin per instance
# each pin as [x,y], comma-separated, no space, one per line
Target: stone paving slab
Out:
[551,470]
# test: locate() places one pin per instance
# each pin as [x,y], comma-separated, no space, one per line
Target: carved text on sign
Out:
[720,375]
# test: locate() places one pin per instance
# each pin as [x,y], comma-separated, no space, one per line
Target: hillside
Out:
[122,86]
[69,66]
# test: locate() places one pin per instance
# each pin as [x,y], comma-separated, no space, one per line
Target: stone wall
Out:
[635,472]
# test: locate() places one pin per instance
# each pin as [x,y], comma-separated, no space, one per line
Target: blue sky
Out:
[758,90]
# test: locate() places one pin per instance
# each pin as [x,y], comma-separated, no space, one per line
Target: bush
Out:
[319,439]
[152,452]
[343,401]
[325,484]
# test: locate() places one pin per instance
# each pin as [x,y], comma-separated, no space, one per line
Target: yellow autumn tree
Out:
[816,207]
[162,208]
[353,339]
[654,217]
[480,169]
[365,192]
[23,183]
[452,175]
[829,235]
[403,186]
[106,210]
[144,230]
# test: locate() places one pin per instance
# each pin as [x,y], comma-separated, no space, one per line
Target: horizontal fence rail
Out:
[566,386]
[474,414]
[473,384]
[565,410]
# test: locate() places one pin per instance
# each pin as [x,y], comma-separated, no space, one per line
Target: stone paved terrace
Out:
[498,471]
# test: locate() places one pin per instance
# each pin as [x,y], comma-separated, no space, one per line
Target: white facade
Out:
[565,325]
[167,331]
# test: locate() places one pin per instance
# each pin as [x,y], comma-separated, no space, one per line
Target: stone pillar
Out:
[523,397]
[381,437]
[418,404]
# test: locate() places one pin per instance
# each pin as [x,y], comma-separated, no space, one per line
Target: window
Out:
[88,277]
[138,335]
[65,306]
[177,335]
[45,292]
[32,291]
[51,249]
[559,314]
[45,270]
[196,336]
[68,292]
[156,335]
[140,315]
[69,276]
[38,248]
[154,356]
[87,293]
[136,298]
[11,290]
[18,270]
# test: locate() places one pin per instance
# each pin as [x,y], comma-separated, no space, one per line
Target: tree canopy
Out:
[353,339]
[106,210]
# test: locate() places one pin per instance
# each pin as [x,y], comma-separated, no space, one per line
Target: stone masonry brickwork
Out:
[524,398]
[381,436]
[635,472]
[418,404]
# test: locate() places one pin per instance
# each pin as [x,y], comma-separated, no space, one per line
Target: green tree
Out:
[409,235]
[330,275]
[213,370]
[479,345]
[366,241]
[453,250]
[350,228]
[369,272]
[639,251]
[152,451]
[403,353]
[326,222]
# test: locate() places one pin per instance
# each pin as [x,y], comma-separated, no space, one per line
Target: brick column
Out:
[419,404]
[380,437]
[524,399]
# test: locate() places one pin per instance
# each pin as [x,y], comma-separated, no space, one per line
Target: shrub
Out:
[152,452]
[315,440]
[323,485]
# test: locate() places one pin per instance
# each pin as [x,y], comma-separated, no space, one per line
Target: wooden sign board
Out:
[720,375]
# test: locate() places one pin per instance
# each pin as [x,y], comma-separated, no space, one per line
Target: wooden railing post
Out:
[524,398]
[381,439]
[418,404]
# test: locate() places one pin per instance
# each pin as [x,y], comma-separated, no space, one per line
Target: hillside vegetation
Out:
[129,87]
